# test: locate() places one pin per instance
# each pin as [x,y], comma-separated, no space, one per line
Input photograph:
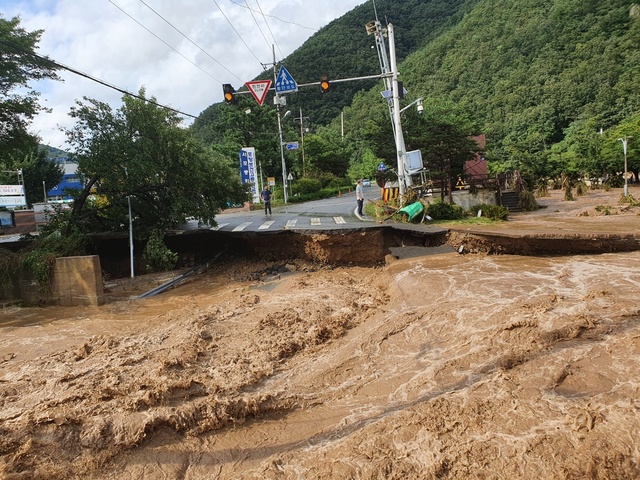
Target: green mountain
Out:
[539,77]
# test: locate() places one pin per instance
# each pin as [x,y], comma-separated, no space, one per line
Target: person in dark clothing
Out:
[265,195]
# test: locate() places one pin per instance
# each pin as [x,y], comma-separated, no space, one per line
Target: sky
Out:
[180,51]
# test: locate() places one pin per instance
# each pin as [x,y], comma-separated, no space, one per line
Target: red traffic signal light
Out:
[324,83]
[229,92]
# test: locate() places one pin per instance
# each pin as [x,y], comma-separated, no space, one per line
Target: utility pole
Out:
[395,88]
[624,141]
[390,76]
[278,103]
[302,119]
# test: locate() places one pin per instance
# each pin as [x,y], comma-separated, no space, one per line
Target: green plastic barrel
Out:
[412,210]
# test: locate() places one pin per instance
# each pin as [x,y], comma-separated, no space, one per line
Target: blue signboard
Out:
[285,82]
[249,170]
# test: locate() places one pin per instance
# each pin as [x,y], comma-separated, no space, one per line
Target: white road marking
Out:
[339,220]
[291,223]
[266,225]
[220,225]
[241,227]
[315,221]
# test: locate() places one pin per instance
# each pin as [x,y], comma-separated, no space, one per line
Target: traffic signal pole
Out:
[389,75]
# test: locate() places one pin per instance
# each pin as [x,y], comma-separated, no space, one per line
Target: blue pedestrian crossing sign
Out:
[285,82]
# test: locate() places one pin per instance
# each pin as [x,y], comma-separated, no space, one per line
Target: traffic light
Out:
[324,83]
[229,92]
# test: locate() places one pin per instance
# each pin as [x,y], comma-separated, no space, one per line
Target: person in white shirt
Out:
[360,198]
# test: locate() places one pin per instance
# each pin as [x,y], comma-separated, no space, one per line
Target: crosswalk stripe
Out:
[266,225]
[339,220]
[291,223]
[219,226]
[241,227]
[315,221]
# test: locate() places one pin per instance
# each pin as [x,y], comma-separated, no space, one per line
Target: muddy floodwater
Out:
[435,366]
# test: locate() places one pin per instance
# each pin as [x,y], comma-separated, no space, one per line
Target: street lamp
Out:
[624,149]
[131,257]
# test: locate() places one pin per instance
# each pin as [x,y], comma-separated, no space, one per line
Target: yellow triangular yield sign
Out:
[259,89]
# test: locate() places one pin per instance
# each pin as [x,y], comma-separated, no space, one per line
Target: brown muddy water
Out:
[441,366]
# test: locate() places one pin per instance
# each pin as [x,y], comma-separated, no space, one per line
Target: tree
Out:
[443,133]
[39,173]
[227,129]
[141,152]
[19,65]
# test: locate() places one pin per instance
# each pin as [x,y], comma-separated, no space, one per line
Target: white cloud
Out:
[100,39]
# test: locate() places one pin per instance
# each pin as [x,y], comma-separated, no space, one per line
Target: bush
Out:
[445,211]
[157,255]
[306,185]
[40,257]
[494,212]
[527,201]
[628,199]
[581,189]
[614,181]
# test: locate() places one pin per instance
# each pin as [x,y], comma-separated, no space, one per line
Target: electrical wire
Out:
[277,18]
[237,33]
[191,41]
[172,48]
[94,79]
[257,24]
[268,27]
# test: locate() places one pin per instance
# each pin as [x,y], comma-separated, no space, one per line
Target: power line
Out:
[268,27]
[277,18]
[257,24]
[172,48]
[97,80]
[191,41]
[237,33]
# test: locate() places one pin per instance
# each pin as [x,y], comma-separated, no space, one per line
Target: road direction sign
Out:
[292,146]
[259,89]
[285,82]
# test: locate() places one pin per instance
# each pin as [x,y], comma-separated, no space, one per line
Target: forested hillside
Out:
[541,78]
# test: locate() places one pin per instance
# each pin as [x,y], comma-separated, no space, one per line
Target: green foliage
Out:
[306,185]
[18,103]
[140,152]
[527,201]
[9,266]
[629,200]
[603,209]
[445,211]
[493,212]
[326,192]
[156,255]
[581,188]
[540,79]
[39,258]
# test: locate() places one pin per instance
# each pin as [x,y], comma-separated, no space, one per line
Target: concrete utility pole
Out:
[624,149]
[390,76]
[395,88]
[278,103]
[302,129]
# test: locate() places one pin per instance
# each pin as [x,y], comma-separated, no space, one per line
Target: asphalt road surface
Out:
[331,213]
